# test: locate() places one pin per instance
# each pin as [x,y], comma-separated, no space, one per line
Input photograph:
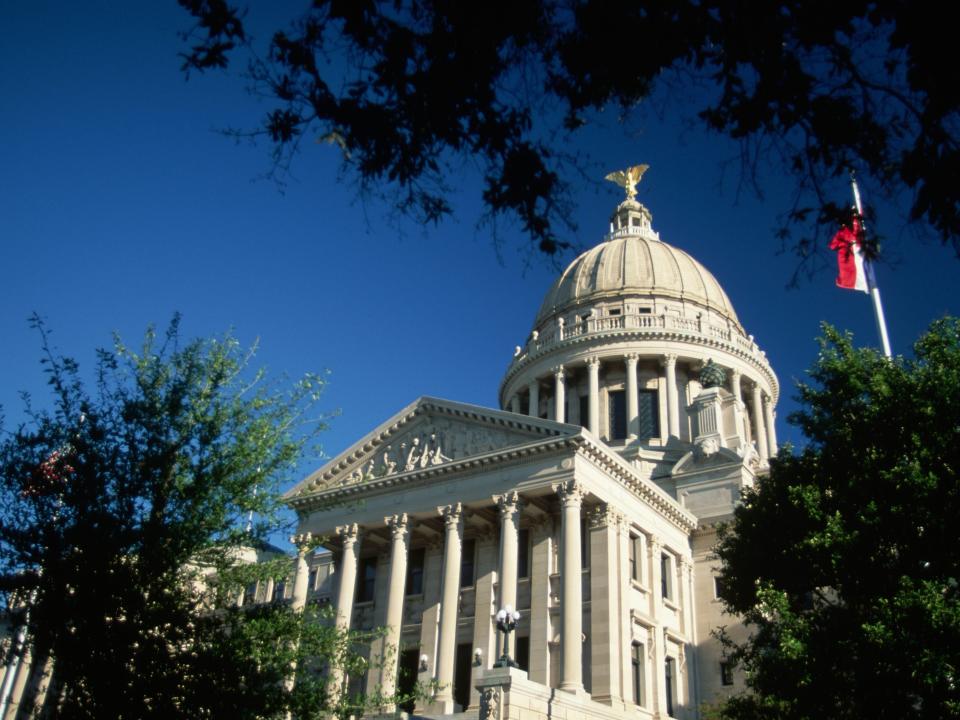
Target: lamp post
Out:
[507,619]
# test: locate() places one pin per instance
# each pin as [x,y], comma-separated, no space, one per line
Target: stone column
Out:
[347,588]
[559,394]
[399,545]
[540,603]
[593,371]
[346,591]
[510,506]
[632,412]
[659,704]
[571,593]
[735,385]
[450,594]
[673,404]
[534,406]
[606,584]
[760,431]
[483,630]
[693,668]
[515,404]
[771,429]
[301,577]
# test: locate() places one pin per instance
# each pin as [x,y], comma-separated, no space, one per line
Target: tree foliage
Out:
[844,562]
[407,89]
[124,524]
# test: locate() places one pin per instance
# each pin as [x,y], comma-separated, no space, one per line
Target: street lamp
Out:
[507,619]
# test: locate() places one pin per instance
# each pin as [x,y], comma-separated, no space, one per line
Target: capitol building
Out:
[631,419]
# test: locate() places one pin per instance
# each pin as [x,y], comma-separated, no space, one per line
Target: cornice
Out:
[611,464]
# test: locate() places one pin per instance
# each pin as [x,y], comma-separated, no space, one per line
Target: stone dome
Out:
[633,261]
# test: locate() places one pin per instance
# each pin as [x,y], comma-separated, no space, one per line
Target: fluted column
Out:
[348,573]
[399,545]
[347,589]
[571,592]
[761,432]
[771,429]
[510,506]
[301,578]
[447,645]
[659,645]
[593,372]
[632,412]
[559,394]
[606,585]
[534,406]
[673,404]
[735,385]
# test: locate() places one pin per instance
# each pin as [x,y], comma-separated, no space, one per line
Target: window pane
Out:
[584,410]
[366,589]
[648,415]
[415,572]
[670,685]
[618,414]
[466,563]
[523,553]
[636,662]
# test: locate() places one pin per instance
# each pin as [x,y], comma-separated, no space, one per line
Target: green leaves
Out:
[119,504]
[844,561]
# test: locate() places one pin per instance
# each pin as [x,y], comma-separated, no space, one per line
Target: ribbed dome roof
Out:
[635,264]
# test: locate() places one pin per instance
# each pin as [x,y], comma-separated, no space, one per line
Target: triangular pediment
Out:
[427,433]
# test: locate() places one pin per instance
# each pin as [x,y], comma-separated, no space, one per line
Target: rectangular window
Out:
[635,557]
[726,673]
[614,312]
[250,594]
[312,580]
[584,545]
[618,414]
[636,667]
[522,653]
[367,587]
[467,564]
[670,680]
[645,311]
[718,587]
[584,410]
[648,414]
[666,576]
[415,571]
[279,590]
[523,553]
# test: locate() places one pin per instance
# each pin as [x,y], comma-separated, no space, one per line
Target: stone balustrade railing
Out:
[639,322]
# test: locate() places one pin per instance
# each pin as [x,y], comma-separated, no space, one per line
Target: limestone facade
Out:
[588,501]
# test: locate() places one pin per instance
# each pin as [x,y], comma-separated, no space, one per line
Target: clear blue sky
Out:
[121,204]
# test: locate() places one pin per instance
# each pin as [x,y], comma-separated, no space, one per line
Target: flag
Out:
[853,269]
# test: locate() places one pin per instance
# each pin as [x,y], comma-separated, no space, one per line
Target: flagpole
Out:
[874,290]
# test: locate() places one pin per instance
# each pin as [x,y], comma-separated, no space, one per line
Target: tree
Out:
[407,90]
[844,562]
[123,522]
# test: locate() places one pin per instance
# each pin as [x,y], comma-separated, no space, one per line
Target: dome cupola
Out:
[620,338]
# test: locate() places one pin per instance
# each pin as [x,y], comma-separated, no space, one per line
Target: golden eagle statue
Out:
[628,179]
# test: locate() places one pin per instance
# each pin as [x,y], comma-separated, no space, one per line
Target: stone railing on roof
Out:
[639,322]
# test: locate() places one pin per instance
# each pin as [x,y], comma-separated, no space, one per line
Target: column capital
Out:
[603,516]
[656,545]
[734,373]
[571,493]
[451,514]
[348,533]
[669,360]
[558,372]
[508,503]
[631,358]
[398,526]
[593,362]
[304,542]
